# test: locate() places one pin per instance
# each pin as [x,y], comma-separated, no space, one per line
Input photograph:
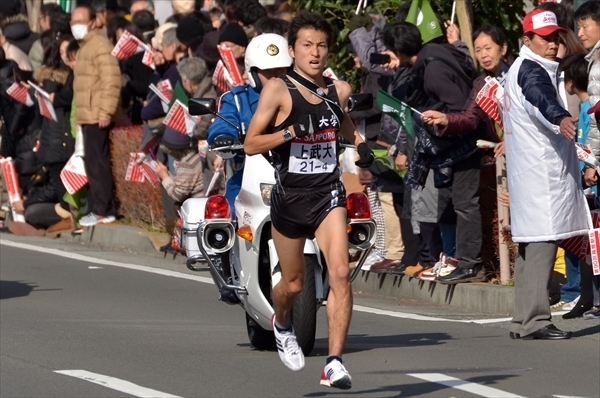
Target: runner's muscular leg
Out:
[291,260]
[333,242]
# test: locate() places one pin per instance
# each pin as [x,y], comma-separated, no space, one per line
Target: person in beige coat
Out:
[97,89]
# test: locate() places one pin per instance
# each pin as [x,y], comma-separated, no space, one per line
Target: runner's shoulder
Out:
[343,89]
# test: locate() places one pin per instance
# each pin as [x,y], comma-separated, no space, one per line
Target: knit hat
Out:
[208,49]
[189,30]
[173,139]
[234,33]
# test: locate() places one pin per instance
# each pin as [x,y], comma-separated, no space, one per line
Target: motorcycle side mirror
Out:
[202,106]
[360,102]
[207,106]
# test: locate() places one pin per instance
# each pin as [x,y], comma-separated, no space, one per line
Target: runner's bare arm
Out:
[269,106]
[347,129]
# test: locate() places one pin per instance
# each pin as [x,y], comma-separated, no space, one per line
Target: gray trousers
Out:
[533,268]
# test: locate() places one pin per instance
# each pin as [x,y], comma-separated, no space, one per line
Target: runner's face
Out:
[310,51]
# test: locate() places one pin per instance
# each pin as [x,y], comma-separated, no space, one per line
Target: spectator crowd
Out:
[81,76]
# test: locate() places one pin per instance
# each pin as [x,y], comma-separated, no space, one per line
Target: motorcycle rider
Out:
[298,119]
[239,104]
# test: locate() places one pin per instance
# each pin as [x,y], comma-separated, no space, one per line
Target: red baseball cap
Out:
[541,22]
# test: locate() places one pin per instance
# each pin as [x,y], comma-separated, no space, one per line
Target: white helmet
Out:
[267,51]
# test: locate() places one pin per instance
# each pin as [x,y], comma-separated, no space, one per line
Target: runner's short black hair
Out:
[309,21]
[575,67]
[403,38]
[589,9]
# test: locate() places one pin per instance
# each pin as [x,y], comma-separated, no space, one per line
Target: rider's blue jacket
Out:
[237,106]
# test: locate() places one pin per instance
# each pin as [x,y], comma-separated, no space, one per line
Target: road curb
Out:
[120,237]
[476,297]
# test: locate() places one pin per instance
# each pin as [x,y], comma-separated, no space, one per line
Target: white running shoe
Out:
[570,305]
[92,219]
[290,353]
[335,375]
[372,258]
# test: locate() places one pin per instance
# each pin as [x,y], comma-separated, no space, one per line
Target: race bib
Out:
[314,153]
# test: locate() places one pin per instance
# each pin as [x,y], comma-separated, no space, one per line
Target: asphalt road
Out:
[114,327]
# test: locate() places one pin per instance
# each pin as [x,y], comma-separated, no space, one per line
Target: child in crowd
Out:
[575,68]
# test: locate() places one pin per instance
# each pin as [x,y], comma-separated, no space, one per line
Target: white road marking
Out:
[473,388]
[116,384]
[203,279]
[93,260]
[566,396]
[93,267]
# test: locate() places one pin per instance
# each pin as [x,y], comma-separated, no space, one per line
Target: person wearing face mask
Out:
[544,181]
[97,91]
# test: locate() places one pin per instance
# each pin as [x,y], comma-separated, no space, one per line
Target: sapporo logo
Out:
[272,50]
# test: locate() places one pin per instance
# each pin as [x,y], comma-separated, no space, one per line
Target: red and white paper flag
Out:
[159,94]
[20,94]
[12,186]
[221,78]
[489,97]
[585,154]
[230,64]
[149,170]
[134,171]
[148,58]
[129,45]
[165,87]
[587,247]
[330,74]
[43,99]
[46,107]
[73,174]
[179,119]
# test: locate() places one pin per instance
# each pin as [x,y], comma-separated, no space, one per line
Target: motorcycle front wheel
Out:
[304,311]
[260,338]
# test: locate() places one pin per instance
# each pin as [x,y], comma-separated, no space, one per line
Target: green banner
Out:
[422,15]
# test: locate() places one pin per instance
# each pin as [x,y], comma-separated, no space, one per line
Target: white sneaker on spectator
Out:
[290,352]
[449,264]
[570,305]
[335,375]
[372,258]
[92,219]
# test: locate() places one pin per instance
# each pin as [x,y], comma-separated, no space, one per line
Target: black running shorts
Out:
[298,212]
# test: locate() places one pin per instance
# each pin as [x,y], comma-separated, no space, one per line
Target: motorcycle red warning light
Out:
[217,207]
[358,206]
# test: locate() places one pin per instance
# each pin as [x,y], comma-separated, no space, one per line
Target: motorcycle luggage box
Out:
[192,214]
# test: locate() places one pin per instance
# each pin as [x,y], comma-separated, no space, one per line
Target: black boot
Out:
[586,301]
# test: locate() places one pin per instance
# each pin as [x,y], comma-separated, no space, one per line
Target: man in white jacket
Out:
[546,202]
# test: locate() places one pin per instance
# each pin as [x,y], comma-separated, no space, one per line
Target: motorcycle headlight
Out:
[265,193]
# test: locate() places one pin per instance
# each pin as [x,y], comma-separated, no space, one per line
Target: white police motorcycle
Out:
[240,253]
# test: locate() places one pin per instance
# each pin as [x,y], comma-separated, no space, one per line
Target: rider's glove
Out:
[366,156]
[223,140]
[306,125]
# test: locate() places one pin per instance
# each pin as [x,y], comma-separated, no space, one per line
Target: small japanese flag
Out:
[20,94]
[128,45]
[179,119]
